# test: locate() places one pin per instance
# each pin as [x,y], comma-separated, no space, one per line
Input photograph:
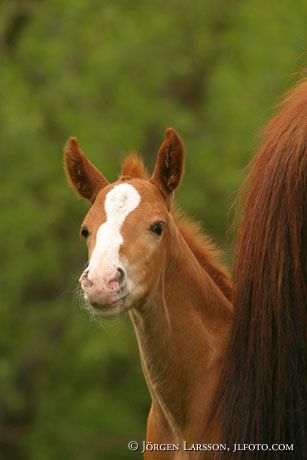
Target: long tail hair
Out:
[261,393]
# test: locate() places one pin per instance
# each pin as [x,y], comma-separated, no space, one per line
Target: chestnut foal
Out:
[146,259]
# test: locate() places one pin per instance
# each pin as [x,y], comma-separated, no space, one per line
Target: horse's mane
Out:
[201,246]
[205,252]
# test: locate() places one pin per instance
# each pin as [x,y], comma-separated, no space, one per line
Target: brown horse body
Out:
[182,332]
[145,259]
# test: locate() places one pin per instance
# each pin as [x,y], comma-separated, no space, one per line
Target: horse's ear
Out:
[170,163]
[85,179]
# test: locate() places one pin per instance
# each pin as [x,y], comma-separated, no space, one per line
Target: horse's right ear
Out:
[85,179]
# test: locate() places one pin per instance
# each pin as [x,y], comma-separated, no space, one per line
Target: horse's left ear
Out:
[170,163]
[83,176]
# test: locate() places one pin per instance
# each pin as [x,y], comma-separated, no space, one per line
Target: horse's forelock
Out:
[133,167]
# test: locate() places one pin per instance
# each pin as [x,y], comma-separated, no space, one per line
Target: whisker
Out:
[95,317]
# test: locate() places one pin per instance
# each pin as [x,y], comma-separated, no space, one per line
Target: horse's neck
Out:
[182,332]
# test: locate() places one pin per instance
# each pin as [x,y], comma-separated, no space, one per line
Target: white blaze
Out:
[119,203]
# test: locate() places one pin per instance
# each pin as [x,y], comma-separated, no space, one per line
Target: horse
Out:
[223,360]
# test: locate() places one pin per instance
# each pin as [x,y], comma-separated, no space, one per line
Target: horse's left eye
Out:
[157,228]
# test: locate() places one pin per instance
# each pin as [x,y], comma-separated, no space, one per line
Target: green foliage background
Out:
[115,74]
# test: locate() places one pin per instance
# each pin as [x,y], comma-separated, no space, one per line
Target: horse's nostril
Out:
[121,276]
[84,280]
[118,281]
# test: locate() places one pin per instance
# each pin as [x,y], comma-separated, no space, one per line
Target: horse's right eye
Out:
[84,233]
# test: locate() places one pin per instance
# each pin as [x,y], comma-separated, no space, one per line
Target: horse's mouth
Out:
[113,308]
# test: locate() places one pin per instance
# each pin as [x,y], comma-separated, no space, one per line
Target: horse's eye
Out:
[157,228]
[84,232]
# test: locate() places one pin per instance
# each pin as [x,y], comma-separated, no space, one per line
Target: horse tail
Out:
[261,393]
